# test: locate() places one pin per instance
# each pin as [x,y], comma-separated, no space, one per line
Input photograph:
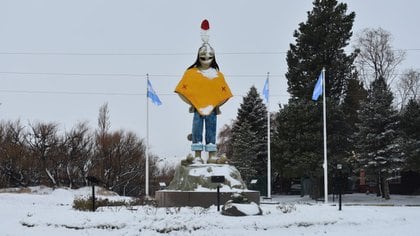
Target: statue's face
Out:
[206,56]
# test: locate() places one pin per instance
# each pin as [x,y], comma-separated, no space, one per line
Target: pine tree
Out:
[410,126]
[355,95]
[320,42]
[245,155]
[249,136]
[378,143]
[295,149]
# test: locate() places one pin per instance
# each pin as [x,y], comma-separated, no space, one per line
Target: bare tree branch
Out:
[376,56]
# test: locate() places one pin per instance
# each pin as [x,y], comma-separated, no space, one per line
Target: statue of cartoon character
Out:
[204,87]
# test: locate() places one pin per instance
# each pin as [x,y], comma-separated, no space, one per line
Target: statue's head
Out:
[205,55]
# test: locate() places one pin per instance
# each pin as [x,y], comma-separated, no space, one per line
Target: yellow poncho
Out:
[202,92]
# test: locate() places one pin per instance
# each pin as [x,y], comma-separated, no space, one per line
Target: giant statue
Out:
[204,88]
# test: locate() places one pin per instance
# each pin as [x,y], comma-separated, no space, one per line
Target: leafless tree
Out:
[78,146]
[43,142]
[13,155]
[224,145]
[104,124]
[376,56]
[103,142]
[409,86]
[39,154]
[128,163]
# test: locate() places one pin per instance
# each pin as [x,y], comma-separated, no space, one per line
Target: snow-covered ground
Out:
[42,211]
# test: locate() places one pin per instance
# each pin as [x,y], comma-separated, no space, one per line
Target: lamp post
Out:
[340,183]
[93,180]
[219,179]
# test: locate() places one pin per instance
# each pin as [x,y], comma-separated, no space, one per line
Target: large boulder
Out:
[197,177]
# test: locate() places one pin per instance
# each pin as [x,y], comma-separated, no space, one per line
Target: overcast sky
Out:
[61,60]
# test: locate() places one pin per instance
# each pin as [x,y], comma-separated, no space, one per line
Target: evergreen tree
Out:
[295,150]
[245,155]
[410,126]
[320,42]
[378,143]
[355,95]
[249,136]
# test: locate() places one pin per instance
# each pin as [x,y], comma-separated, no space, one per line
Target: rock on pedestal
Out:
[198,176]
[192,186]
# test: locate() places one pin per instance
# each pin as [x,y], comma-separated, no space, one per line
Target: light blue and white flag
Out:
[152,94]
[266,91]
[318,88]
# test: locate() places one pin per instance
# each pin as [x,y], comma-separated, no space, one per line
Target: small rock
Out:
[241,209]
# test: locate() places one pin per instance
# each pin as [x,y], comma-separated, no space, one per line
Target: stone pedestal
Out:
[192,186]
[170,198]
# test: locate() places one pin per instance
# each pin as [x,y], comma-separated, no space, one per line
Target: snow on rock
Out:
[241,209]
[197,177]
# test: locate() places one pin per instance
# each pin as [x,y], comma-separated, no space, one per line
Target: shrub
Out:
[86,204]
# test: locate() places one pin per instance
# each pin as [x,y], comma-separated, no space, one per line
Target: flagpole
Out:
[147,140]
[325,164]
[268,140]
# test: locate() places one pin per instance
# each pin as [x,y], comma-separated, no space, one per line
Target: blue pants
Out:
[197,131]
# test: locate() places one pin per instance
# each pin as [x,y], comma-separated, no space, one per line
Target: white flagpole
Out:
[268,140]
[325,165]
[147,140]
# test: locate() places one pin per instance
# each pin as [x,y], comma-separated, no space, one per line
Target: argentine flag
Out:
[266,91]
[318,88]
[152,94]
